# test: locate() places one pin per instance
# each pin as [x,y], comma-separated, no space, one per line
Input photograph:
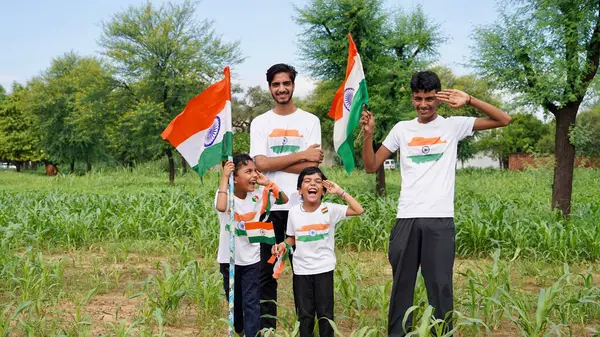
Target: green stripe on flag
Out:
[346,149]
[238,232]
[213,155]
[309,238]
[285,148]
[262,239]
[425,158]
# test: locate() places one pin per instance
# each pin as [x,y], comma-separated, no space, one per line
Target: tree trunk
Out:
[169,154]
[564,152]
[183,165]
[72,166]
[380,180]
[381,190]
[18,165]
[89,166]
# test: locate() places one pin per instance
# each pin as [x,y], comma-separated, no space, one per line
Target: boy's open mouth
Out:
[312,190]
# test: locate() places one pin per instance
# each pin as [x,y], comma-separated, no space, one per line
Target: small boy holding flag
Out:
[251,206]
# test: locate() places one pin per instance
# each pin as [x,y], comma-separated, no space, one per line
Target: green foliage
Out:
[135,137]
[144,253]
[475,86]
[18,142]
[586,134]
[163,57]
[517,52]
[70,104]
[2,93]
[255,102]
[526,134]
[241,142]
[392,44]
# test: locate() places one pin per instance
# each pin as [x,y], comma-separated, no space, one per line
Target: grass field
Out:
[122,253]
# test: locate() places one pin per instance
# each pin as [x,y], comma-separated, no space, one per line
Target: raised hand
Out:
[227,170]
[454,97]
[262,180]
[367,122]
[332,187]
[313,153]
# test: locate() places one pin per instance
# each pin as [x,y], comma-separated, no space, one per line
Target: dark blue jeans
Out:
[246,304]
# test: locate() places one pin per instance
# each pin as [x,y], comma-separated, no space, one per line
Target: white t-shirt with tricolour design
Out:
[314,233]
[246,210]
[428,155]
[273,135]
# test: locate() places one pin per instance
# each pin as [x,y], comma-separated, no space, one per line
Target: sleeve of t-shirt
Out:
[258,139]
[392,141]
[463,126]
[291,230]
[314,137]
[338,212]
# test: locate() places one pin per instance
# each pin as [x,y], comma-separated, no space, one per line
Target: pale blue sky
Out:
[33,32]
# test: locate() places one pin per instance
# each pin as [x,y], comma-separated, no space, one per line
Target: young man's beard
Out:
[291,94]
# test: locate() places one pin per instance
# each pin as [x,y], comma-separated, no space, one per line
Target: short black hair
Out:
[425,81]
[307,171]
[281,68]
[239,160]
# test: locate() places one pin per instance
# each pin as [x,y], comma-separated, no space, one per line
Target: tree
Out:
[164,57]
[586,134]
[546,52]
[70,102]
[392,45]
[255,102]
[524,135]
[2,93]
[17,141]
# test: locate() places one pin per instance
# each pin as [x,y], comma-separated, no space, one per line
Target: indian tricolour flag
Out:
[346,108]
[202,131]
[260,232]
[423,150]
[311,233]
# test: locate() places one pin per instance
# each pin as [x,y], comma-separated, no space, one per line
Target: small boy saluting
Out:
[311,227]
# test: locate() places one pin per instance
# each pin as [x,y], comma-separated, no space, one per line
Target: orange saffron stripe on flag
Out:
[420,141]
[244,217]
[258,225]
[317,227]
[285,133]
[200,112]
[337,106]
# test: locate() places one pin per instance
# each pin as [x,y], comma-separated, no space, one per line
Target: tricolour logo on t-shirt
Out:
[285,141]
[424,150]
[309,233]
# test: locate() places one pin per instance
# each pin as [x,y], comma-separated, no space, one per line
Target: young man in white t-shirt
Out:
[424,231]
[311,227]
[283,141]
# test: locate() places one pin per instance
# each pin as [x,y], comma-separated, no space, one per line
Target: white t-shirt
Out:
[428,164]
[314,233]
[273,135]
[248,209]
